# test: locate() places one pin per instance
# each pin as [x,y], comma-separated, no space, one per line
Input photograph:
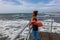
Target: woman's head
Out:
[34,14]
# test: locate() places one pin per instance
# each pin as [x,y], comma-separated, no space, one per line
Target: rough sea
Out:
[10,24]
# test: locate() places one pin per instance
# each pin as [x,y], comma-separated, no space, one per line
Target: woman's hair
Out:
[35,13]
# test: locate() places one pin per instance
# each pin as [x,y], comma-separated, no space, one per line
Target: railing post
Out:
[30,32]
[52,24]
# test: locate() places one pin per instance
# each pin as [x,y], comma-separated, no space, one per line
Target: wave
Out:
[10,27]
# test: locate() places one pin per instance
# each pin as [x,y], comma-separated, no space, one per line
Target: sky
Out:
[27,6]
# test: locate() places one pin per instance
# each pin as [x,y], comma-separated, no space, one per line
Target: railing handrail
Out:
[29,34]
[20,31]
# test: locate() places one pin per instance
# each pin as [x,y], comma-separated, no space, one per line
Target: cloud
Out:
[37,1]
[24,6]
[16,2]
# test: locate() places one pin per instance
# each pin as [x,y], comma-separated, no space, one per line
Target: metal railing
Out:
[28,37]
[19,32]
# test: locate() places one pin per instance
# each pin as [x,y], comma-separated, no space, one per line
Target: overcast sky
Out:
[27,6]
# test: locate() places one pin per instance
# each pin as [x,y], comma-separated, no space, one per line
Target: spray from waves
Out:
[10,27]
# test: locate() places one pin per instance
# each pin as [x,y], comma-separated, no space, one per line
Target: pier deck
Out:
[48,36]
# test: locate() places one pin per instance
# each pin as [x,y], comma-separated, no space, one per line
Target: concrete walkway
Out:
[48,36]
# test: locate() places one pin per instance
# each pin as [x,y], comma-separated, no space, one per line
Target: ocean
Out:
[16,16]
[28,16]
[13,22]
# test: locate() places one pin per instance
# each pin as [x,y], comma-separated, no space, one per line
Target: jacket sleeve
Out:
[40,24]
[32,21]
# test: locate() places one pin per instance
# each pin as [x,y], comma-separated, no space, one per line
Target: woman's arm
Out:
[32,21]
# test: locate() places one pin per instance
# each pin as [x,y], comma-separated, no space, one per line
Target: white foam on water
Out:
[10,27]
[47,26]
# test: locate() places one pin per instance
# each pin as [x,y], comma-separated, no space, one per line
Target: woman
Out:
[35,24]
